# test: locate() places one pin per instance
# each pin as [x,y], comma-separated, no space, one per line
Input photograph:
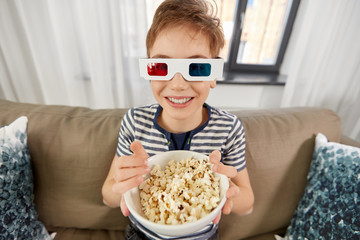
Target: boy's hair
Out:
[198,13]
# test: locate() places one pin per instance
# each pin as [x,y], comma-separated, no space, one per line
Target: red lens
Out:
[157,69]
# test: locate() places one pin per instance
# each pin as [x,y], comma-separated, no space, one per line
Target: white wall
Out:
[246,96]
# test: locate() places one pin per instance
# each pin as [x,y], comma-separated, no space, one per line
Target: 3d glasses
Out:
[192,69]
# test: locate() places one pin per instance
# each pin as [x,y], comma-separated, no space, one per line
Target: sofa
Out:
[71,150]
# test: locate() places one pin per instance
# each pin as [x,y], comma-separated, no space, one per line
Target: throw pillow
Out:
[18,216]
[330,206]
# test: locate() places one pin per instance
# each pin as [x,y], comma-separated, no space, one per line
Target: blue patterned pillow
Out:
[330,206]
[18,216]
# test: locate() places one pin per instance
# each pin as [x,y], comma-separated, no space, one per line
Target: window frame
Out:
[231,65]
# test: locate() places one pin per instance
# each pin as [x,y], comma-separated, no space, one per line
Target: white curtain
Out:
[323,60]
[73,52]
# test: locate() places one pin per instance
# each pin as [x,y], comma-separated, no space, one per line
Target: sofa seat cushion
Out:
[86,234]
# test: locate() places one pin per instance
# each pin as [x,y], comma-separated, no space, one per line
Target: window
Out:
[256,32]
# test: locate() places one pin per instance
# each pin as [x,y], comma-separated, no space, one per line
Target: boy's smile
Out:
[182,101]
[179,101]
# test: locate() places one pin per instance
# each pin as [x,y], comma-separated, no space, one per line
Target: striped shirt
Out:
[223,131]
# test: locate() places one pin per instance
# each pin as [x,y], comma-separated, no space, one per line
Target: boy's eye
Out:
[199,69]
[157,69]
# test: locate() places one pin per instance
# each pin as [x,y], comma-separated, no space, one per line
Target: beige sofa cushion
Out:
[72,148]
[279,148]
[71,151]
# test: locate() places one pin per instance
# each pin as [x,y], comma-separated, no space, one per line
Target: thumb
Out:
[138,149]
[217,218]
[124,209]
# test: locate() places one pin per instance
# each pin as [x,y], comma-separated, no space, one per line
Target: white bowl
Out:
[132,199]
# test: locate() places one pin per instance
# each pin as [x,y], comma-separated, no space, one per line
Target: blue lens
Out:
[200,69]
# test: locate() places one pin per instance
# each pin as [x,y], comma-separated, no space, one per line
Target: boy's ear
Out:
[213,84]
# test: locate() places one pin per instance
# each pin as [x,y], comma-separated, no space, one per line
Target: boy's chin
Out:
[189,112]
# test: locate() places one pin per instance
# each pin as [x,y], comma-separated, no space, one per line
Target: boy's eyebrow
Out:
[160,56]
[198,56]
[164,56]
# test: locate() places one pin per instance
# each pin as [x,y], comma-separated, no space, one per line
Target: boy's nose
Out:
[178,82]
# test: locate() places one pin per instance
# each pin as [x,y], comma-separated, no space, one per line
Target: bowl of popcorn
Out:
[180,196]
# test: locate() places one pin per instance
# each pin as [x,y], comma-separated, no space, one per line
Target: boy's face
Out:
[181,99]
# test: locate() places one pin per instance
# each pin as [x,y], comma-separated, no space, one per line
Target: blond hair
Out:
[199,14]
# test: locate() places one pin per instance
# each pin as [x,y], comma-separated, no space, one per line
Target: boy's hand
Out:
[230,172]
[129,171]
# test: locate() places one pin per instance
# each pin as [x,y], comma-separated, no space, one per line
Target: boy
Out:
[182,32]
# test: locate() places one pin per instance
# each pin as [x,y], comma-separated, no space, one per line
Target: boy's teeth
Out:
[179,101]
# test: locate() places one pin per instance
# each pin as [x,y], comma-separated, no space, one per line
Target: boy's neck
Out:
[182,125]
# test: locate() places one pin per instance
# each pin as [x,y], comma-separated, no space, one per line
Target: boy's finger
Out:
[127,173]
[228,171]
[233,190]
[130,161]
[124,186]
[215,156]
[227,207]
[138,150]
[124,209]
[217,218]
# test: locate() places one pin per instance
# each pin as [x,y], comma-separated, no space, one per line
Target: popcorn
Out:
[183,192]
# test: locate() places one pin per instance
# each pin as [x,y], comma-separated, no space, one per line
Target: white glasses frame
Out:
[181,65]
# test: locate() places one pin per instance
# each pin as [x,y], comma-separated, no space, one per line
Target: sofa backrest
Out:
[72,148]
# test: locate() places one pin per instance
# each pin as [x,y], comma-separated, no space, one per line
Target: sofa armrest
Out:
[349,141]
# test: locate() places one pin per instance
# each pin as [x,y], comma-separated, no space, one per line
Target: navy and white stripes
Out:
[223,132]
